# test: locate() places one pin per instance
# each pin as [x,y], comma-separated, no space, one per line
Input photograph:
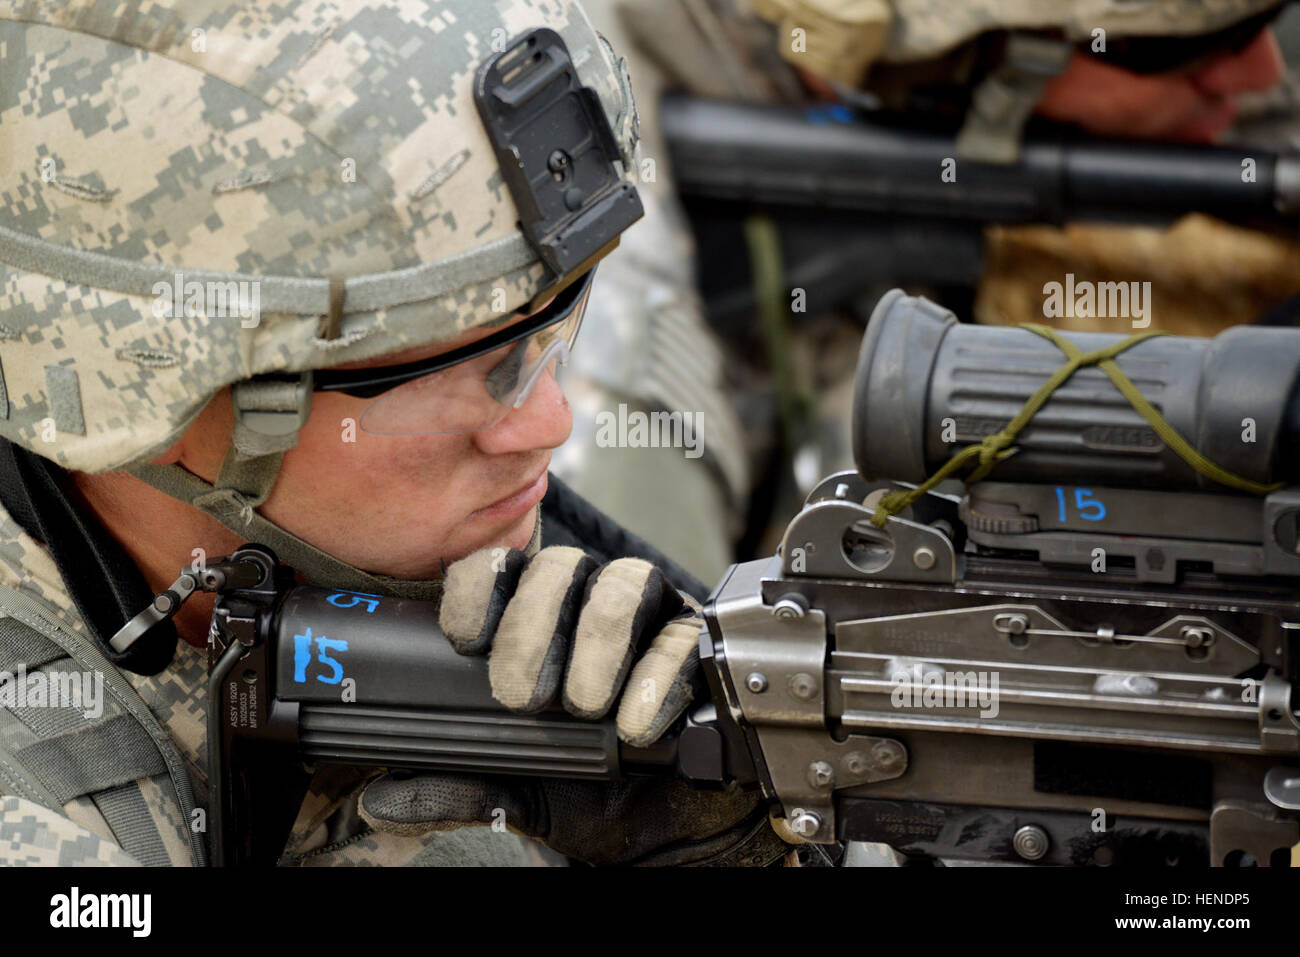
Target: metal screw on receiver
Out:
[806,823]
[821,774]
[887,755]
[803,686]
[790,606]
[1031,842]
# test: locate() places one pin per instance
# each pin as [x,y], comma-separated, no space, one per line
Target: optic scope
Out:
[928,386]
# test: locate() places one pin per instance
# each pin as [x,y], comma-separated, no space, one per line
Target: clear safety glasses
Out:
[470,388]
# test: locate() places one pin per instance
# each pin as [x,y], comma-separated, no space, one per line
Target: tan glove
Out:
[558,623]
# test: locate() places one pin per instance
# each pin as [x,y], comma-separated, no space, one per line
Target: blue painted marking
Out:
[327,644]
[371,601]
[1090,509]
[831,113]
[1083,502]
[302,657]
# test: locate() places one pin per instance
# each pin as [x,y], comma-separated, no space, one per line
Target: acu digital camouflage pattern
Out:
[303,140]
[844,37]
[34,836]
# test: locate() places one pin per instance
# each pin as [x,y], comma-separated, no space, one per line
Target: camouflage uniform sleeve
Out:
[34,836]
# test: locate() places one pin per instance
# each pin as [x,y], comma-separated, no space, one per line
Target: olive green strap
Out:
[998,446]
[1168,434]
[763,241]
[319,567]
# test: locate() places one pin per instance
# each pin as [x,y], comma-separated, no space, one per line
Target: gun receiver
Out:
[1033,669]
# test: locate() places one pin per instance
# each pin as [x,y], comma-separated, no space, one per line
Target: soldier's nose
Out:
[1258,66]
[544,421]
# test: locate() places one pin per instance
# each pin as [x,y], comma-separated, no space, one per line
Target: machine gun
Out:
[1133,623]
[1090,661]
[863,198]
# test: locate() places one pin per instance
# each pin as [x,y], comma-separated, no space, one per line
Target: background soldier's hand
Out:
[560,626]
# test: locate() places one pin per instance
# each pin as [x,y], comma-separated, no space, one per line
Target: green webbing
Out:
[229,507]
[252,477]
[94,758]
[997,447]
[232,510]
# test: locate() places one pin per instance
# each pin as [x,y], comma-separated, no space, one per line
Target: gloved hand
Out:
[558,624]
[641,821]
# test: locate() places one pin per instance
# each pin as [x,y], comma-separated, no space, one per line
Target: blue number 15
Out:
[302,657]
[1089,508]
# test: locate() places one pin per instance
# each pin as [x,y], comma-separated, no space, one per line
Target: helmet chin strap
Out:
[1002,103]
[268,414]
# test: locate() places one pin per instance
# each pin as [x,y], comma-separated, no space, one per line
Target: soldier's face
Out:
[401,505]
[1192,106]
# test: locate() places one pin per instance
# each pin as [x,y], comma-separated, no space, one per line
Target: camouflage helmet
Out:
[841,39]
[199,192]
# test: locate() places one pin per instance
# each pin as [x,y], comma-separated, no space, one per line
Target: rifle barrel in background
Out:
[860,201]
[832,157]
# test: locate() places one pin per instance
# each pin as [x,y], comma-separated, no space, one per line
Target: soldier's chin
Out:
[1208,126]
[524,534]
[518,534]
